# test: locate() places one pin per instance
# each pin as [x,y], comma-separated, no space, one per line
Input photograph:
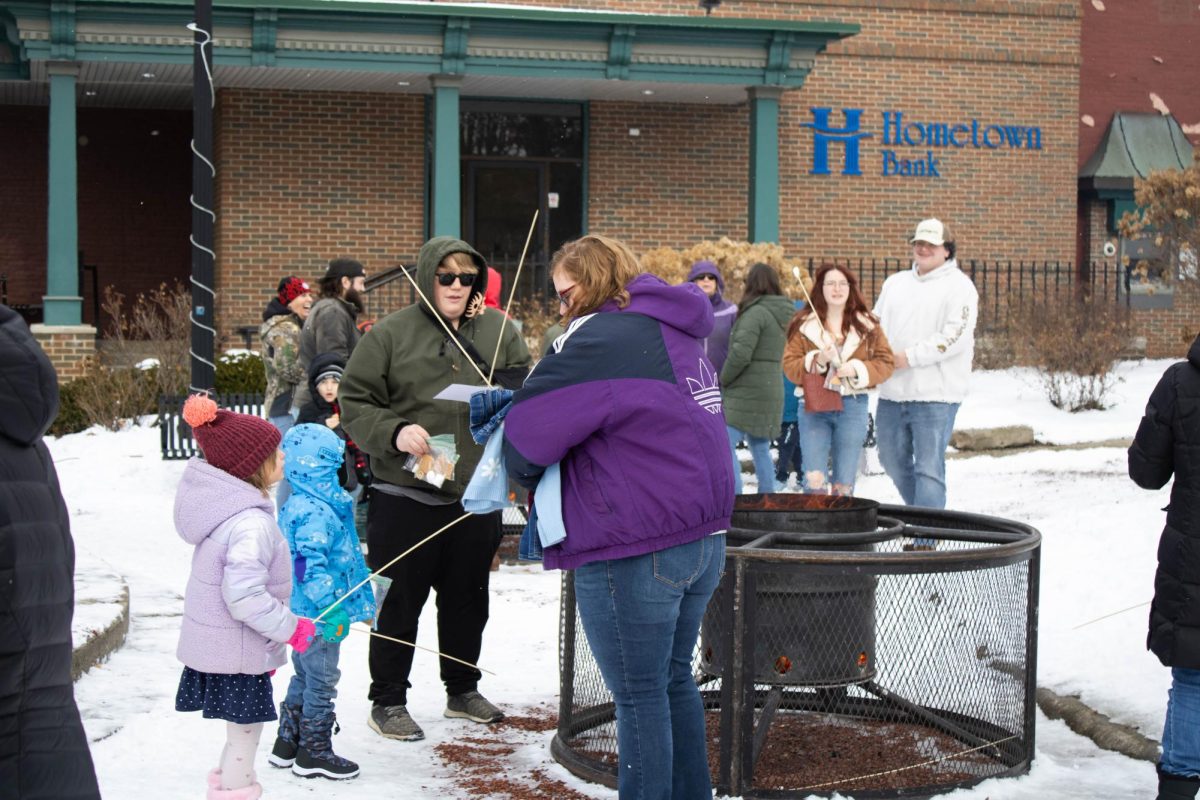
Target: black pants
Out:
[455,564]
[789,452]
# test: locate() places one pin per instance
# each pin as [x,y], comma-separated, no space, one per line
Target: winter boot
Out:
[287,742]
[1176,787]
[315,758]
[251,792]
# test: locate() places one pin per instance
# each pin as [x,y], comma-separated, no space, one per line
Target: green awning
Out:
[1134,146]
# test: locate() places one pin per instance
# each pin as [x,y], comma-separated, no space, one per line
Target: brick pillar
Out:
[69,347]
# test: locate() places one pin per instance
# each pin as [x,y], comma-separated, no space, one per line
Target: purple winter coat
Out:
[235,612]
[631,409]
[716,344]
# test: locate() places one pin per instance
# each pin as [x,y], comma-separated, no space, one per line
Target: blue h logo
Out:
[823,135]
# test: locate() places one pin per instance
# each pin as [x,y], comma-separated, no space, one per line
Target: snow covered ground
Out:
[1099,530]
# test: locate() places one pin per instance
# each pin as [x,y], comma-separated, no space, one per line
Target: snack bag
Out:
[437,466]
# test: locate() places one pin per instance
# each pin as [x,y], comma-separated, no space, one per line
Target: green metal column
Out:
[62,304]
[764,164]
[447,210]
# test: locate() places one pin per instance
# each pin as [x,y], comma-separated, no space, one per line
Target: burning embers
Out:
[795,502]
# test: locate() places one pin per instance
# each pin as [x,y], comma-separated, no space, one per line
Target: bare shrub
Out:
[536,314]
[1073,345]
[109,396]
[114,389]
[156,326]
[735,258]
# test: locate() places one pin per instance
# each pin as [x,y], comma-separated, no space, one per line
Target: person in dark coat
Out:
[331,325]
[1168,443]
[322,408]
[43,748]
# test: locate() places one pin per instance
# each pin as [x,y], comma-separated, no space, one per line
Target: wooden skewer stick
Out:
[437,315]
[379,571]
[379,635]
[512,292]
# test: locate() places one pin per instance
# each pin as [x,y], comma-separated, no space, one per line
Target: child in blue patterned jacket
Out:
[327,563]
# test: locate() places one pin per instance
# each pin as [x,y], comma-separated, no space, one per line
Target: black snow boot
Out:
[316,758]
[1176,787]
[287,741]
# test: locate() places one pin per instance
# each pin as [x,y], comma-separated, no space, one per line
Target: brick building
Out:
[362,128]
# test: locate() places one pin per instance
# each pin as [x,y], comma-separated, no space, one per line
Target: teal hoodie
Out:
[318,522]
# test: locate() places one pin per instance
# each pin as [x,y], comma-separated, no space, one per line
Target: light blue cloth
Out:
[548,498]
[545,526]
[488,489]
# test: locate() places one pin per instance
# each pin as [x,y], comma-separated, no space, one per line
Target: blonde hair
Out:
[463,261]
[261,479]
[601,266]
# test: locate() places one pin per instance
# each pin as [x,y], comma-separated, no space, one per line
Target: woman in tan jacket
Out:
[852,352]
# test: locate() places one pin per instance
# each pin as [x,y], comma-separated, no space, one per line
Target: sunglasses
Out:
[464,278]
[705,278]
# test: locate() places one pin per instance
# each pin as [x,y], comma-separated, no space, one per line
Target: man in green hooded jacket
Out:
[387,406]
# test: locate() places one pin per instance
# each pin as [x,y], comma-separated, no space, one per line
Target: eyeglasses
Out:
[464,278]
[837,284]
[564,296]
[923,246]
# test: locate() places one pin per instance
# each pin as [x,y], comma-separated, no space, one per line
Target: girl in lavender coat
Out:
[236,618]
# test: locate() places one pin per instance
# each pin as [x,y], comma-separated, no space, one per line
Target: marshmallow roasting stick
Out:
[808,299]
[511,294]
[379,571]
[438,316]
[378,635]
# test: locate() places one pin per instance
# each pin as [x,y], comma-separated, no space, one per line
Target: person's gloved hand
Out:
[335,625]
[303,636]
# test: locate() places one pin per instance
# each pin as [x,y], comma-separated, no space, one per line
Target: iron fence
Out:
[1004,285]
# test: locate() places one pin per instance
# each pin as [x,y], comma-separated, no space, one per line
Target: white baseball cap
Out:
[933,231]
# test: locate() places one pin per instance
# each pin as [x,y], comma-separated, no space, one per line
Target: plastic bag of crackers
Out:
[437,466]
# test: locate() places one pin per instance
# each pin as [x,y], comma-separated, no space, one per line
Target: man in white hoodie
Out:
[928,313]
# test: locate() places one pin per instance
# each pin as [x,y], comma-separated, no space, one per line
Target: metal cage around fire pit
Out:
[833,659]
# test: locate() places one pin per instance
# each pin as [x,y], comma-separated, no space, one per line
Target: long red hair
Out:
[856,304]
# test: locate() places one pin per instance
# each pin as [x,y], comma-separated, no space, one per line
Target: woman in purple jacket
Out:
[629,407]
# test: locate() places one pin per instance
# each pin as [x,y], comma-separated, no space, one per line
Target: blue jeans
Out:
[1181,731]
[283,491]
[912,440]
[642,618]
[836,436]
[314,685]
[760,451]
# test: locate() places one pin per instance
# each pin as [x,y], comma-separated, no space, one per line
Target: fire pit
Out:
[832,660]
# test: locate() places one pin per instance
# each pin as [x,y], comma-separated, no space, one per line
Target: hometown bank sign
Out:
[903,140]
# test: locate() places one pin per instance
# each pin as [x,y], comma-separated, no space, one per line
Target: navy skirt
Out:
[243,699]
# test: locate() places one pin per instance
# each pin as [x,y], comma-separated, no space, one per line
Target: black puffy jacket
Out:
[43,749]
[1168,442]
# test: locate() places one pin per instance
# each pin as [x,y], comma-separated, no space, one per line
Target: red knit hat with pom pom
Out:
[233,442]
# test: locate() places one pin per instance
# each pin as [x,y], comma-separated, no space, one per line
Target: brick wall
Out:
[934,61]
[306,177]
[1131,51]
[68,346]
[134,179]
[682,179]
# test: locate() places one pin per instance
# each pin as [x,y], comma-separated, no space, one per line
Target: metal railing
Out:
[1003,284]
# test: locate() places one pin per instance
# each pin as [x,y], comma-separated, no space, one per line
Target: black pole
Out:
[203,375]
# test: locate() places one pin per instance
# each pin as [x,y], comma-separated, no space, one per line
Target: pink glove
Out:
[303,637]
